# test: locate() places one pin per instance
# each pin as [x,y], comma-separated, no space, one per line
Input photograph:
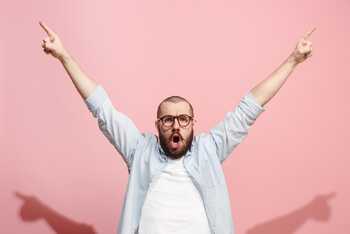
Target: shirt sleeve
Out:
[231,131]
[116,126]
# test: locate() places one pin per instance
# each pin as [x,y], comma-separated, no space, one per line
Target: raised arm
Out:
[231,131]
[117,127]
[267,88]
[52,45]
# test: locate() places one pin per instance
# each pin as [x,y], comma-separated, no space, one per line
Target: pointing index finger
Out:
[49,32]
[309,33]
[21,196]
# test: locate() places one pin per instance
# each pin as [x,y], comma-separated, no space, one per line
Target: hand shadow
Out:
[317,209]
[33,209]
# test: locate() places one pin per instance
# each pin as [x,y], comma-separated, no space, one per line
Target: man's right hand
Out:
[52,43]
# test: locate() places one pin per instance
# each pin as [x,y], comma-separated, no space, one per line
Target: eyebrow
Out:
[174,115]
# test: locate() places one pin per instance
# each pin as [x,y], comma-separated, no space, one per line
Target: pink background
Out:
[211,52]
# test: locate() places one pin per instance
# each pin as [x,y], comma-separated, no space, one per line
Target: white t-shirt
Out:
[173,204]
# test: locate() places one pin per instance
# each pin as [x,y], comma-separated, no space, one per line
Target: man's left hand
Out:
[303,49]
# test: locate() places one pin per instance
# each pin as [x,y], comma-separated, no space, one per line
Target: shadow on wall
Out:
[33,209]
[318,209]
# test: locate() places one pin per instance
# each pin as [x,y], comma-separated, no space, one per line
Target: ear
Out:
[156,124]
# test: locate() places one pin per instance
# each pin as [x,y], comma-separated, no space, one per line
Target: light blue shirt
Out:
[145,158]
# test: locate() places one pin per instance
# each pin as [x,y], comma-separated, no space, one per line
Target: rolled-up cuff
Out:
[254,107]
[96,99]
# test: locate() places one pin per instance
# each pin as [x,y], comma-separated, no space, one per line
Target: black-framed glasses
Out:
[169,120]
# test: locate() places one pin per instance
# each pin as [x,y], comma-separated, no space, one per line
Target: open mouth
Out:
[175,141]
[176,138]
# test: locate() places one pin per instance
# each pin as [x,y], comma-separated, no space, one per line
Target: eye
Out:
[167,119]
[184,118]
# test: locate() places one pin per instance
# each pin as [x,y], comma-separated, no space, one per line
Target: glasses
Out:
[169,120]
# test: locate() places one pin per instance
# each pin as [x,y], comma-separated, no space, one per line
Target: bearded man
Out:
[176,181]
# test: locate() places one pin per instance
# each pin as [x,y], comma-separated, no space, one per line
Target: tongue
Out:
[174,145]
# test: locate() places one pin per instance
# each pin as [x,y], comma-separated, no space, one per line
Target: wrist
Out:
[292,59]
[64,57]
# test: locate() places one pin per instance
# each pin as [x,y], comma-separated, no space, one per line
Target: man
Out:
[176,182]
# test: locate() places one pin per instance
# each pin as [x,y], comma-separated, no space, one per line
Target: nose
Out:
[176,124]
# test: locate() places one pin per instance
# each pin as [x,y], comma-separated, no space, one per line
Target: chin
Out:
[177,155]
[181,151]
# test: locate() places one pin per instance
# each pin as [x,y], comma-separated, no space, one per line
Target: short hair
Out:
[174,99]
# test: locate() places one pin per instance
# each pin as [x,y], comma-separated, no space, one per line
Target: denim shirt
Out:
[145,158]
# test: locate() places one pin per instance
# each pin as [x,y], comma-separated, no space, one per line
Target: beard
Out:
[186,145]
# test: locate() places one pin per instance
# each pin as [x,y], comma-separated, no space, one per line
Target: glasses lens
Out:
[184,120]
[168,120]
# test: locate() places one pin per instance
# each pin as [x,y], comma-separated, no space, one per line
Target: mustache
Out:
[175,134]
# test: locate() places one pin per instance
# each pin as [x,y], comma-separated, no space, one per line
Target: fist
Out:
[52,43]
[303,49]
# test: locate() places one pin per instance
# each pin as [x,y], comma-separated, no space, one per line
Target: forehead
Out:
[170,108]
